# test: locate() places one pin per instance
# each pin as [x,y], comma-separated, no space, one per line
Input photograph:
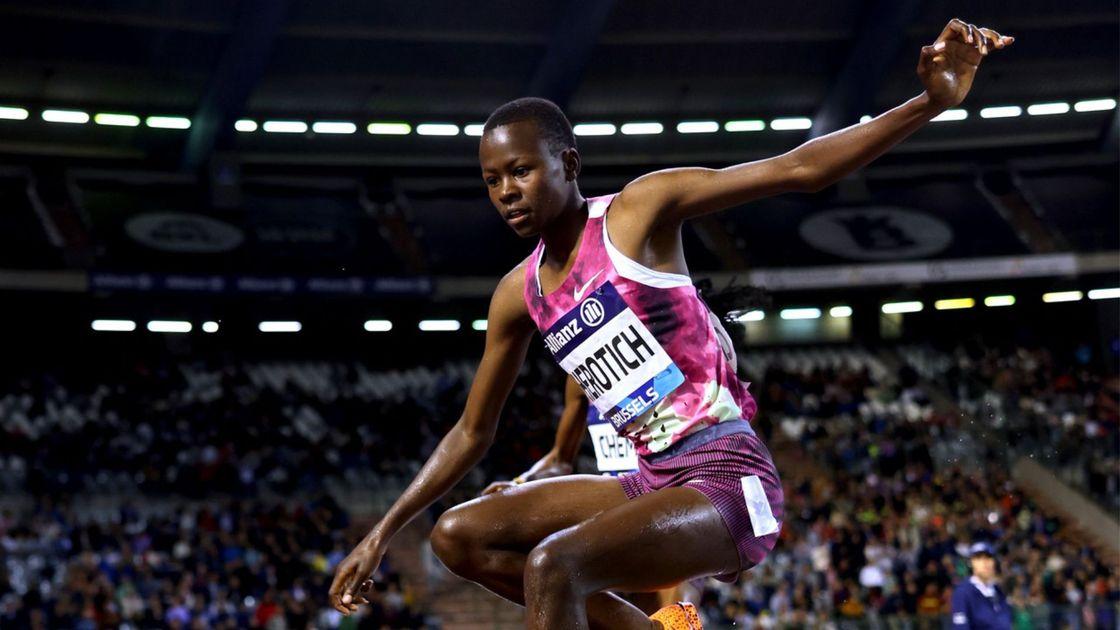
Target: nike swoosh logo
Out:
[578,293]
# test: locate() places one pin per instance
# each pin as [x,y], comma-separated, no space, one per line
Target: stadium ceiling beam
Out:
[875,47]
[561,69]
[256,28]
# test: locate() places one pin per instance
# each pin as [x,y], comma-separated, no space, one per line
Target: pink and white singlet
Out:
[640,342]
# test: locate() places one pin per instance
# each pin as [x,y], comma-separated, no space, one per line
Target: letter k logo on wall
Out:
[578,292]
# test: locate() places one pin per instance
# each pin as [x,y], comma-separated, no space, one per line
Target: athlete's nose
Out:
[509,192]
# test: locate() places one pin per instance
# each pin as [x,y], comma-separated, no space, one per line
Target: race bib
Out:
[613,452]
[619,364]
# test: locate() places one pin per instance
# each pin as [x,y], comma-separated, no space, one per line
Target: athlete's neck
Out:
[562,236]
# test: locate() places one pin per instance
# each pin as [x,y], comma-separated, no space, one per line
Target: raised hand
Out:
[948,66]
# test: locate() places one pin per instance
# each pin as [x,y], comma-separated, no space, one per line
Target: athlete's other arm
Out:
[946,69]
[507,337]
[569,433]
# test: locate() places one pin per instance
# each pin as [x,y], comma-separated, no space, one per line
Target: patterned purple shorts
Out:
[731,466]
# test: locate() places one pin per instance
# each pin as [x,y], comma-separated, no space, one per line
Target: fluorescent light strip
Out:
[642,128]
[378,325]
[437,129]
[479,324]
[840,311]
[800,313]
[1095,105]
[285,126]
[169,326]
[65,116]
[902,307]
[279,327]
[336,127]
[736,126]
[474,129]
[113,325]
[245,125]
[439,325]
[789,124]
[999,300]
[1001,111]
[389,128]
[594,129]
[698,126]
[1104,294]
[209,327]
[1061,296]
[950,115]
[952,304]
[751,316]
[117,120]
[13,113]
[168,122]
[1047,109]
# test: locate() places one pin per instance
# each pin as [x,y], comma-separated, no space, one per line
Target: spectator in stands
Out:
[979,603]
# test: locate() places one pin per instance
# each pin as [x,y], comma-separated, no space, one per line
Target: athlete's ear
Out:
[572,163]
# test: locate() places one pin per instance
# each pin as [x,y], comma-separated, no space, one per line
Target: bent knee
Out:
[552,561]
[456,539]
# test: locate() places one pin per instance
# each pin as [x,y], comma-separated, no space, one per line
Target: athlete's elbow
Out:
[807,179]
[477,436]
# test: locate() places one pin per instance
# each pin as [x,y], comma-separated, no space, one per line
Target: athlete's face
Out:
[528,183]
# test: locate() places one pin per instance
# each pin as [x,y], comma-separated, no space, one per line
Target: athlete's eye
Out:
[491,181]
[521,171]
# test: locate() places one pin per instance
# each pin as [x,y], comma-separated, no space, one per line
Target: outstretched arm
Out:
[507,339]
[946,68]
[569,433]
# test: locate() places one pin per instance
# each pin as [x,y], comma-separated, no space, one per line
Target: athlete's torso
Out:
[640,342]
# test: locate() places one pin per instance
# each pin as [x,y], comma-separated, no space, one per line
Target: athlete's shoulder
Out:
[509,295]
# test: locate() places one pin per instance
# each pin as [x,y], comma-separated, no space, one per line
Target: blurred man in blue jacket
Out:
[979,602]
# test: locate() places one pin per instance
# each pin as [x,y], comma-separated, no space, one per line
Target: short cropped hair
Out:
[551,122]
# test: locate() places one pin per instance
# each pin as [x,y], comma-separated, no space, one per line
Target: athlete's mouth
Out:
[516,215]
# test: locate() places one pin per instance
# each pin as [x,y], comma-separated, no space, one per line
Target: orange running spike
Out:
[679,616]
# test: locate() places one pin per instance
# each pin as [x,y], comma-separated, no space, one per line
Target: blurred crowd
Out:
[889,494]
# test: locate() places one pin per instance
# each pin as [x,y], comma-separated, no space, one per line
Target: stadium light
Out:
[389,128]
[70,116]
[13,113]
[1047,109]
[698,126]
[840,311]
[1001,111]
[642,128]
[117,120]
[378,325]
[439,325]
[285,126]
[800,313]
[789,124]
[113,325]
[169,326]
[952,304]
[168,122]
[210,327]
[437,129]
[245,125]
[950,115]
[1095,105]
[1061,296]
[1104,294]
[479,324]
[999,300]
[336,127]
[737,126]
[594,129]
[751,316]
[279,327]
[865,118]
[902,307]
[474,129]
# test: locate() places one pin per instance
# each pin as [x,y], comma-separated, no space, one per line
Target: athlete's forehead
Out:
[506,143]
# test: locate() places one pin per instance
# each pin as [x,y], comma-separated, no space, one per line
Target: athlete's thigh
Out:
[654,541]
[520,517]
